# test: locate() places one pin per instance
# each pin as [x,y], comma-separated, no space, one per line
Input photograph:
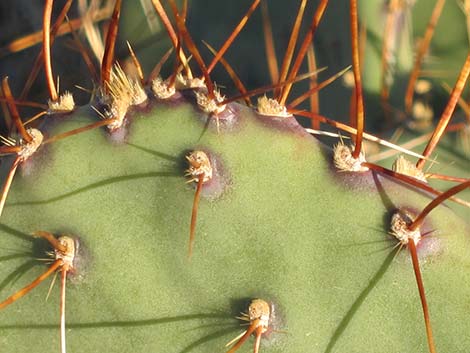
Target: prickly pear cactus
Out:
[276,221]
[280,225]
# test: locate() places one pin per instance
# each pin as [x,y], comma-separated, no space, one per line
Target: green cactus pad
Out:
[287,228]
